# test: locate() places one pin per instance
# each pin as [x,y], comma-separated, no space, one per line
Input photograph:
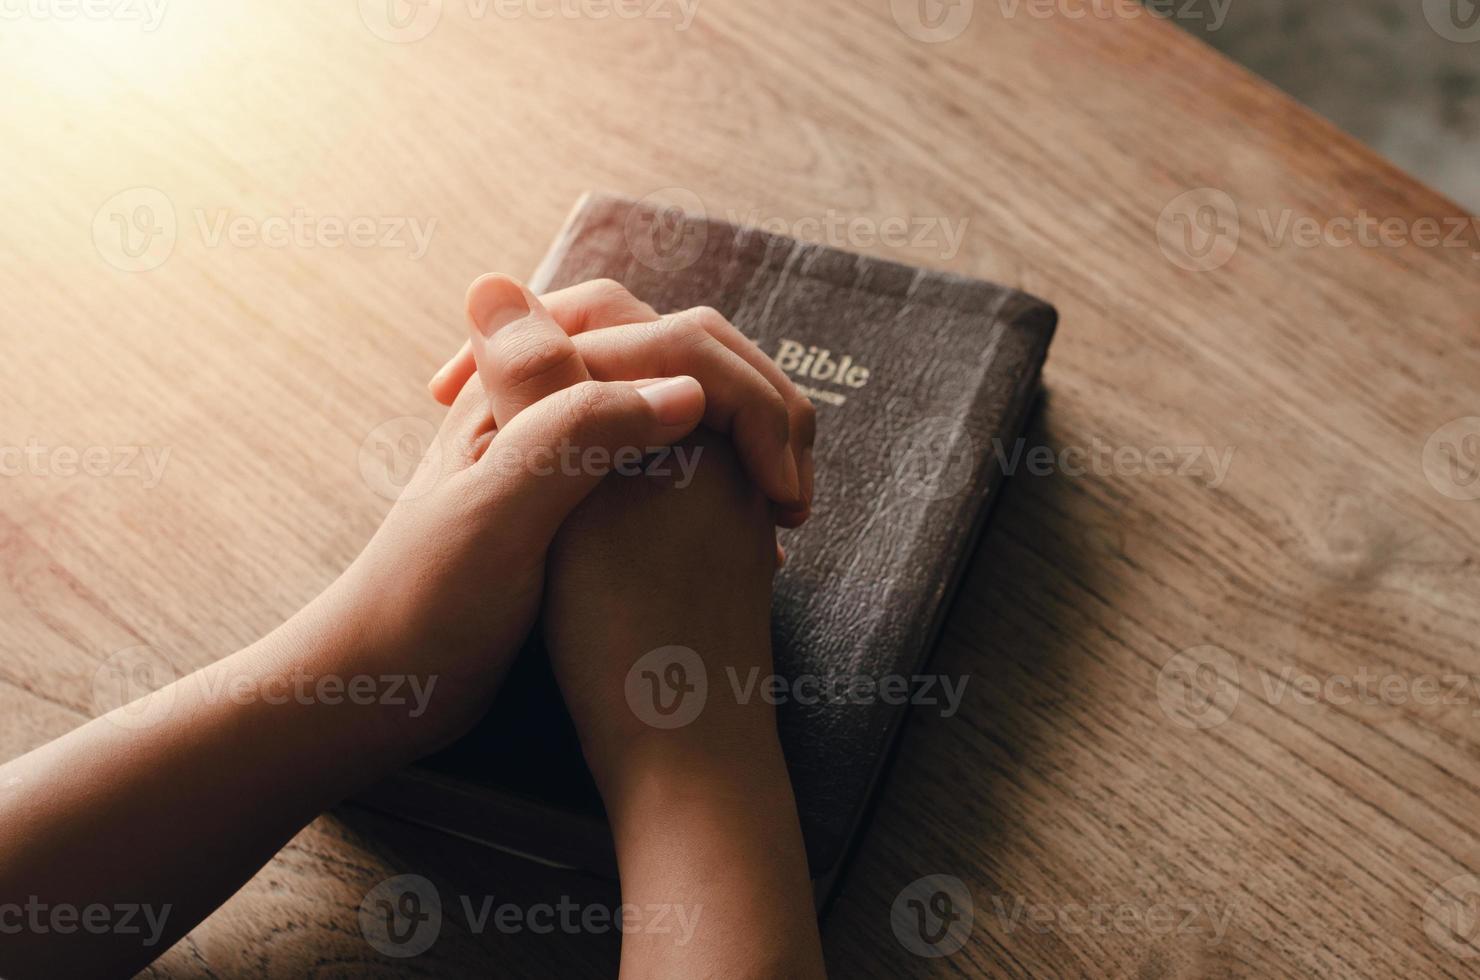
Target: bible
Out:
[919,379]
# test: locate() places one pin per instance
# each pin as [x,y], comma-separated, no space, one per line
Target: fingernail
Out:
[809,475]
[675,400]
[789,472]
[494,302]
[435,385]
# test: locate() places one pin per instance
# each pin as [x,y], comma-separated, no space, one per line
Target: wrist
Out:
[680,736]
[656,770]
[457,639]
[716,838]
[360,680]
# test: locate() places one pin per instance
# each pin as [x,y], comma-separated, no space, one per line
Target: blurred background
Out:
[1403,76]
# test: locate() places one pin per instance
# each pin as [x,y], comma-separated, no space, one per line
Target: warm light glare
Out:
[86,52]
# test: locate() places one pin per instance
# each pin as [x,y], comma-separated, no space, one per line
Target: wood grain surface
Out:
[1138,783]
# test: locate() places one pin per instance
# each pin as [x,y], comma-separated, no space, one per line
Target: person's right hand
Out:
[696,788]
[657,618]
[663,564]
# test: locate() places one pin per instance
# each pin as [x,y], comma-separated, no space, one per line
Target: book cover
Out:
[919,377]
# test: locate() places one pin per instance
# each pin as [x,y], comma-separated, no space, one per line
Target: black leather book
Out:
[922,382]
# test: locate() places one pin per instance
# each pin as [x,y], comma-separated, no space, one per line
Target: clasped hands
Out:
[704,815]
[174,802]
[491,528]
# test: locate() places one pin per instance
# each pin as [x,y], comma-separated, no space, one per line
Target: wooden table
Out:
[1118,798]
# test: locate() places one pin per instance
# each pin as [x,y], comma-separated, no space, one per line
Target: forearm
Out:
[697,791]
[713,839]
[170,806]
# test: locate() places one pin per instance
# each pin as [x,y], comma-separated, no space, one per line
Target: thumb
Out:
[522,354]
[554,453]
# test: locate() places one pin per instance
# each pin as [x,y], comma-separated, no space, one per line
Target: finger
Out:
[801,414]
[522,354]
[546,460]
[471,419]
[596,304]
[590,305]
[451,377]
[742,402]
